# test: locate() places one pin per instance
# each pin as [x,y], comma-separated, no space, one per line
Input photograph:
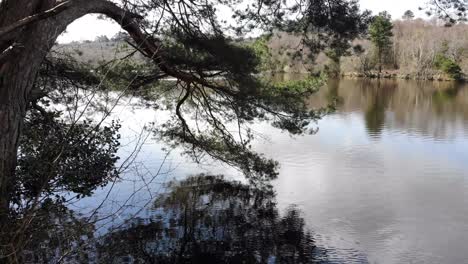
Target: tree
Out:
[452,11]
[408,15]
[380,31]
[342,17]
[190,45]
[448,66]
[120,36]
[262,51]
[102,38]
[340,46]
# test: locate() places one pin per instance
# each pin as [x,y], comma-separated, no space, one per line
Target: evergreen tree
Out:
[408,15]
[188,41]
[380,31]
[452,11]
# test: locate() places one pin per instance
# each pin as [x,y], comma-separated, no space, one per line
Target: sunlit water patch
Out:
[383,181]
[386,175]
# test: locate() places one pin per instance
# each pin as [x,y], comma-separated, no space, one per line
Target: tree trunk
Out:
[28,30]
[17,73]
[380,62]
[21,54]
[12,109]
[22,50]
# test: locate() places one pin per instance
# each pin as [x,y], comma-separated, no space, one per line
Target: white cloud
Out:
[395,7]
[88,28]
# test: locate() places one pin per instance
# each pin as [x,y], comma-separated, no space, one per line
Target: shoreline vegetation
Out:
[400,76]
[416,49]
[92,131]
[91,52]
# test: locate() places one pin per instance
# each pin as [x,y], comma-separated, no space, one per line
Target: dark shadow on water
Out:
[208,219]
[379,95]
[442,97]
[333,92]
[429,109]
[202,219]
[420,108]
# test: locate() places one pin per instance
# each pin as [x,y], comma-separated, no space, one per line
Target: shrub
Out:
[448,66]
[262,51]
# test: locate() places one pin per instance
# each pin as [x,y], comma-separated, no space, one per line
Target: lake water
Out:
[384,180]
[385,176]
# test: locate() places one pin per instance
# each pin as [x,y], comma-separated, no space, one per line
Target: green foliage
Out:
[127,74]
[208,53]
[452,11]
[331,24]
[56,156]
[214,75]
[448,66]
[332,68]
[262,51]
[304,86]
[281,104]
[408,15]
[380,32]
[287,95]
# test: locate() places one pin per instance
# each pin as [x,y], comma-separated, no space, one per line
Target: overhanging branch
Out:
[34,18]
[8,52]
[150,46]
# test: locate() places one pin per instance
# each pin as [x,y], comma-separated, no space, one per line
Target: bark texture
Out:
[28,30]
[23,52]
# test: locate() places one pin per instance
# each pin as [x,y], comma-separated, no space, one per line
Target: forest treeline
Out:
[419,49]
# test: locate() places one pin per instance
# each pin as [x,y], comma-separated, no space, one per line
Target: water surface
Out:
[386,175]
[383,181]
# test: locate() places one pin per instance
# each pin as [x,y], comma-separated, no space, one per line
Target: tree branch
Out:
[34,18]
[150,46]
[8,52]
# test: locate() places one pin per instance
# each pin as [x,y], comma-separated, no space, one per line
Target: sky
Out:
[89,27]
[395,7]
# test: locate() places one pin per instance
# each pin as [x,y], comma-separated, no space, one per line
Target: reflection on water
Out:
[386,175]
[383,181]
[431,109]
[207,219]
[379,97]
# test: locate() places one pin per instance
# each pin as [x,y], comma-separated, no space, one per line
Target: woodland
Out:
[53,154]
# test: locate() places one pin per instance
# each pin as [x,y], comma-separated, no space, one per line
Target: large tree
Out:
[186,40]
[408,15]
[380,31]
[450,10]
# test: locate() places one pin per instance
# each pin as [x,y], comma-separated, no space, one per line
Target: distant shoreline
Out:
[400,76]
[385,75]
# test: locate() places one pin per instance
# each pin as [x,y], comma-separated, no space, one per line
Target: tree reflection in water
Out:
[379,96]
[208,219]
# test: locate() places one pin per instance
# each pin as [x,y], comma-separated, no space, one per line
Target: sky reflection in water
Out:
[383,181]
[387,174]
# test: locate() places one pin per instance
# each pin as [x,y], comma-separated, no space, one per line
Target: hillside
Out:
[416,45]
[95,52]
